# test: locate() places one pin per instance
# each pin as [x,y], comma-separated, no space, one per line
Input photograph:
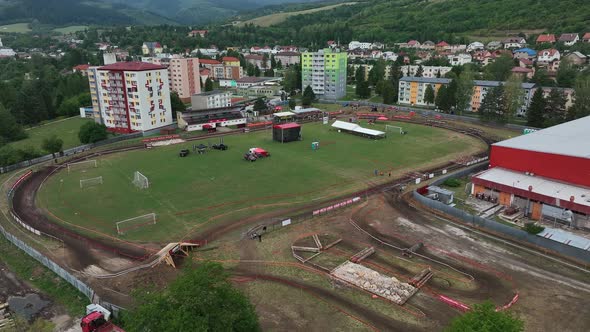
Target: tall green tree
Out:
[442,100]
[208,84]
[377,73]
[52,144]
[492,108]
[273,62]
[429,95]
[513,95]
[581,107]
[464,91]
[566,74]
[452,93]
[260,105]
[10,130]
[308,97]
[200,299]
[541,78]
[484,318]
[290,80]
[359,75]
[257,71]
[536,110]
[176,104]
[388,92]
[500,69]
[363,90]
[555,112]
[420,71]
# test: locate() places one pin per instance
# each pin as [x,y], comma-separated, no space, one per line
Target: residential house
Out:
[569,39]
[548,55]
[353,45]
[388,55]
[427,71]
[376,54]
[289,48]
[288,58]
[210,51]
[256,60]
[460,48]
[524,53]
[576,58]
[151,48]
[413,44]
[377,46]
[201,33]
[82,69]
[514,42]
[494,45]
[526,63]
[460,59]
[546,38]
[427,45]
[475,46]
[358,53]
[586,38]
[442,46]
[523,72]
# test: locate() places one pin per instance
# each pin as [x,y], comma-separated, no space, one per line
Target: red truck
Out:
[96,322]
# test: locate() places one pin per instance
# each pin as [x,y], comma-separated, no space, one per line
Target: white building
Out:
[475,46]
[460,59]
[133,96]
[427,71]
[514,42]
[210,99]
[356,44]
[548,55]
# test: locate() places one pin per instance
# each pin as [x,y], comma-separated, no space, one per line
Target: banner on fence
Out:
[336,206]
[286,222]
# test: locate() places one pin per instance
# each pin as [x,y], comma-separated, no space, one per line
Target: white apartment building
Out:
[356,44]
[133,96]
[459,59]
[427,71]
[210,99]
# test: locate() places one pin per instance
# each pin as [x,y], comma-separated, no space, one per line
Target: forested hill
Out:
[398,20]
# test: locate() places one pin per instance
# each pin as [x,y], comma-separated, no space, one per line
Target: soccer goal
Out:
[82,165]
[127,225]
[394,128]
[140,181]
[84,183]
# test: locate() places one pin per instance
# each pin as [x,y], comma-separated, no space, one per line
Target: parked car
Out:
[220,146]
[183,153]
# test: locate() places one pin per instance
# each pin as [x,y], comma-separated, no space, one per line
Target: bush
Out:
[533,228]
[452,182]
[92,132]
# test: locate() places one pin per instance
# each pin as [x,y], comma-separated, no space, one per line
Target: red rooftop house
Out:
[546,38]
[286,132]
[442,46]
[586,38]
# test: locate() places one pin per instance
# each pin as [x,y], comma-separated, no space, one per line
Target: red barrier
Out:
[160,138]
[405,117]
[509,304]
[21,179]
[454,303]
[259,124]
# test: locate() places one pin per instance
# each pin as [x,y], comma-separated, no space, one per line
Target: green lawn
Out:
[191,194]
[71,29]
[66,129]
[17,27]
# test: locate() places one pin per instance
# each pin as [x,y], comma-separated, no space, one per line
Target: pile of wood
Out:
[6,321]
[359,256]
[421,278]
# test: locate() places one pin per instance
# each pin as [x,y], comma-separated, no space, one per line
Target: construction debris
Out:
[359,256]
[6,321]
[421,278]
[413,249]
[374,282]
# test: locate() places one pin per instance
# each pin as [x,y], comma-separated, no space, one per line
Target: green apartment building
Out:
[325,72]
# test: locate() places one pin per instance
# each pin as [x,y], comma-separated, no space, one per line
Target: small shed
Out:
[287,132]
[444,195]
[282,117]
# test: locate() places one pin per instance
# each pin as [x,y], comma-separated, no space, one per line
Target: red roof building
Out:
[546,38]
[442,44]
[586,37]
[230,59]
[541,172]
[209,62]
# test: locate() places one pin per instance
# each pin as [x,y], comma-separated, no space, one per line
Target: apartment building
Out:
[325,72]
[185,77]
[210,99]
[133,96]
[92,73]
[427,71]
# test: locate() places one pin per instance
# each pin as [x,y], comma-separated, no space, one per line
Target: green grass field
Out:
[17,27]
[71,29]
[66,129]
[272,19]
[193,193]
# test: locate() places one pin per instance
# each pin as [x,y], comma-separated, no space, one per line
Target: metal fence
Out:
[506,231]
[428,112]
[67,152]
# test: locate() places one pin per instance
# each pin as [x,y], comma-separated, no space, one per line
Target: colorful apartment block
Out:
[412,90]
[325,72]
[133,96]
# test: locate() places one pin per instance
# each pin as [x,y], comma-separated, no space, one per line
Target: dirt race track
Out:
[552,296]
